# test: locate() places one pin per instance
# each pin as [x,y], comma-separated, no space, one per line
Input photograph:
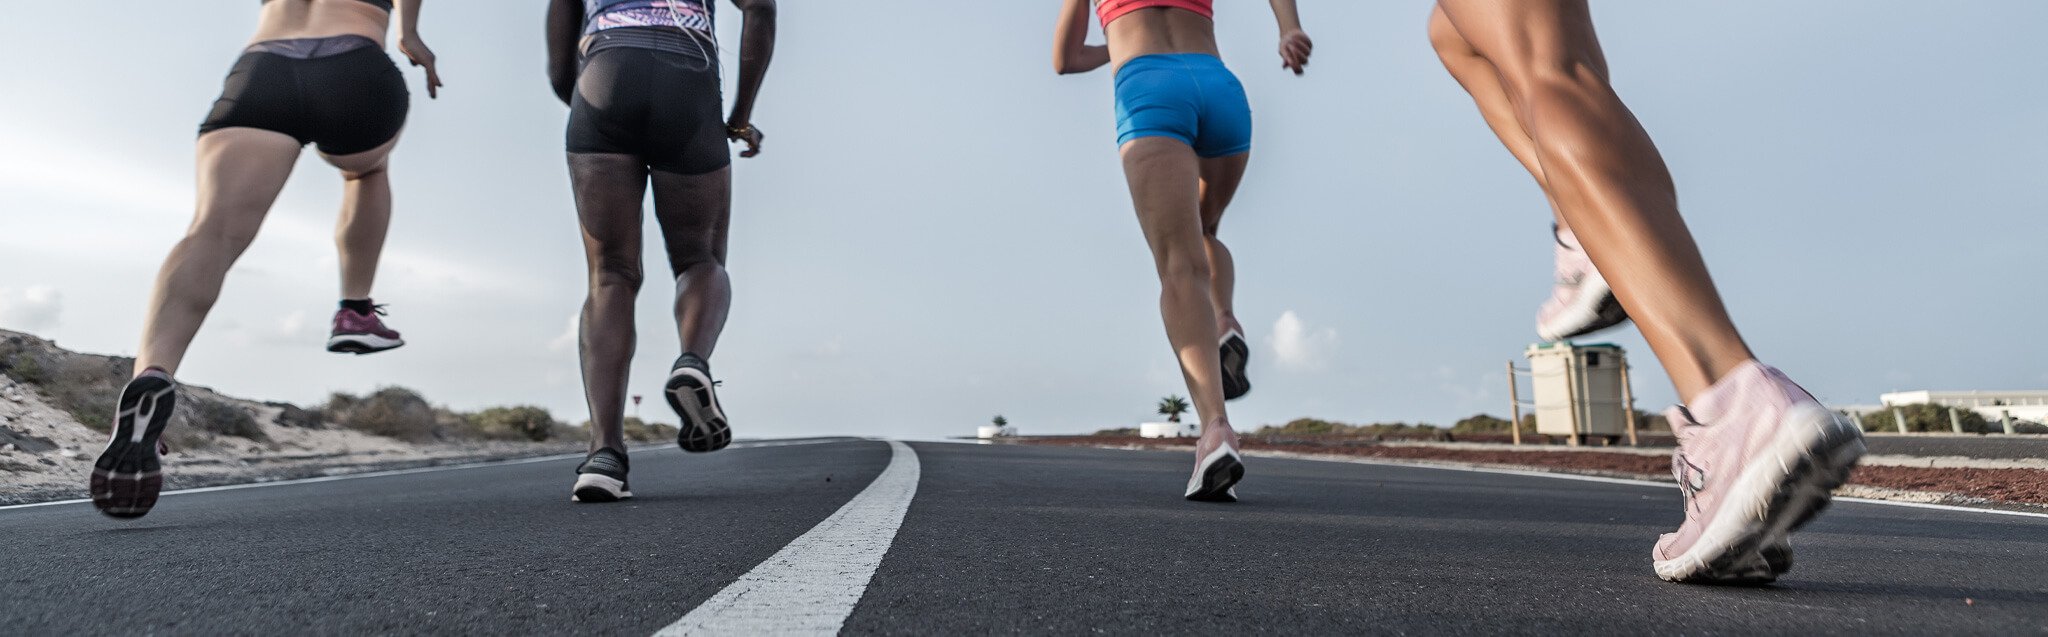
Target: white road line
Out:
[811,586]
[402,472]
[1627,481]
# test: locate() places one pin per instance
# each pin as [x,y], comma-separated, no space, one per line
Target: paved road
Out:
[995,539]
[1989,447]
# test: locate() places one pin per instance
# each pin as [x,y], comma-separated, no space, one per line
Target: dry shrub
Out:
[394,412]
[638,430]
[217,416]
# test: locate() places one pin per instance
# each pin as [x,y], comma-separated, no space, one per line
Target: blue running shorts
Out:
[1191,97]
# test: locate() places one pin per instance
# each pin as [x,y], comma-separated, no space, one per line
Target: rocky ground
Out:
[2016,483]
[46,450]
[45,454]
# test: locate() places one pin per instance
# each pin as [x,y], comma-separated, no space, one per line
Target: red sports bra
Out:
[1110,10]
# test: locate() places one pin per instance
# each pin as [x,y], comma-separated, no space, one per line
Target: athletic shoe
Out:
[129,473]
[1235,355]
[1580,303]
[691,392]
[1757,458]
[601,477]
[356,333]
[1216,476]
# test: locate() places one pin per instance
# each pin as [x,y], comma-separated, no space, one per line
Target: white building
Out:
[1993,405]
[1190,429]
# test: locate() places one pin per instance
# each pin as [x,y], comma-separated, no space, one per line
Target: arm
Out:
[1294,44]
[757,47]
[413,48]
[565,24]
[1071,52]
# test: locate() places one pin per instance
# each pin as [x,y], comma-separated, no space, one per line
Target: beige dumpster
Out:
[1578,391]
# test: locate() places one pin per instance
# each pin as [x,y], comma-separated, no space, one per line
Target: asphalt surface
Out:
[1998,447]
[997,539]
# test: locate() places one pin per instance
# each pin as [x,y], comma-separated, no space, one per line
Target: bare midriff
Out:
[1158,30]
[294,19]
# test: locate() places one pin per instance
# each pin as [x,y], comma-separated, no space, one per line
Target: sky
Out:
[938,231]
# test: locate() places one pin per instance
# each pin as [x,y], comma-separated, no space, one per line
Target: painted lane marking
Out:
[811,586]
[414,470]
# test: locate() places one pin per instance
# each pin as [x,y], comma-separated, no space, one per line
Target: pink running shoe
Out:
[1757,458]
[356,333]
[1580,303]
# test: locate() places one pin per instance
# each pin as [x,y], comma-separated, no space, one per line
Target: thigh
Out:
[1220,178]
[241,170]
[609,189]
[1529,36]
[694,212]
[1165,182]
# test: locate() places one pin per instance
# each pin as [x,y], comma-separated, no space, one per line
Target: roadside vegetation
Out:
[86,386]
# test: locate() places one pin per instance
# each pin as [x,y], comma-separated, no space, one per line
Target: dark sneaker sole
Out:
[359,345]
[1217,481]
[1235,355]
[597,488]
[703,428]
[1609,314]
[128,475]
[1807,493]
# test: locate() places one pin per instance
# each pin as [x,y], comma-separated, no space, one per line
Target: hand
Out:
[1294,49]
[420,55]
[744,132]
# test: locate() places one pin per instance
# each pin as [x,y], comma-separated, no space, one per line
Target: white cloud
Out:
[567,340]
[1298,347]
[31,309]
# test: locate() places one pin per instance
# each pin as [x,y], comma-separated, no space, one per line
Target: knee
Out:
[682,258]
[217,237]
[1184,267]
[372,172]
[616,273]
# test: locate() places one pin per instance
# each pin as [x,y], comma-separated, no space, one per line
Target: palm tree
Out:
[1000,421]
[1172,407]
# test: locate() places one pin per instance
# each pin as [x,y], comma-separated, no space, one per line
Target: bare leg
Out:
[1165,182]
[694,211]
[365,216]
[1220,178]
[608,188]
[241,171]
[1607,179]
[1482,81]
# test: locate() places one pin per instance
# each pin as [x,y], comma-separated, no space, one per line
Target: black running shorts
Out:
[660,106]
[346,103]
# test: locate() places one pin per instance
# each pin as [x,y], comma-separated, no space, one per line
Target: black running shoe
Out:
[1216,476]
[129,474]
[1235,355]
[601,477]
[690,391]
